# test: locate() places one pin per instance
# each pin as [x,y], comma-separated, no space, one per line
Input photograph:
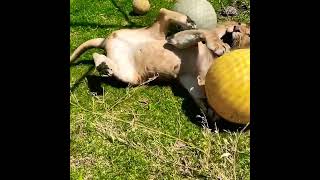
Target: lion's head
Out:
[237,35]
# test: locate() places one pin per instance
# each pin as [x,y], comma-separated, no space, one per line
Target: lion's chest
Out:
[122,45]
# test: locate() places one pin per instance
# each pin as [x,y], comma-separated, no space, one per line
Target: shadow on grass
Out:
[189,107]
[95,83]
[192,110]
[79,80]
[102,26]
[134,14]
[83,62]
[126,17]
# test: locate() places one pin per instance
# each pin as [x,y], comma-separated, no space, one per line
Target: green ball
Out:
[200,11]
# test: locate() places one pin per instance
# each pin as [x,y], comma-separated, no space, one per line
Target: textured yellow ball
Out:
[141,6]
[228,86]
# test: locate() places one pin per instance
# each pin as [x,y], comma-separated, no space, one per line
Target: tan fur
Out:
[124,47]
[134,55]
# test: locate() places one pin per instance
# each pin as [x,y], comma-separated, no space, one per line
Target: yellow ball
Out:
[141,7]
[228,86]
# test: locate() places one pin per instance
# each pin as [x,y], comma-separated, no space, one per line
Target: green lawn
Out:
[146,132]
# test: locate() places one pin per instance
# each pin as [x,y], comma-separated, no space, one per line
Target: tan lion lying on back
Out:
[134,55]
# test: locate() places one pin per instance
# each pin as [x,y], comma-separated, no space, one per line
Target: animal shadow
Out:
[192,111]
[189,107]
[134,14]
[95,83]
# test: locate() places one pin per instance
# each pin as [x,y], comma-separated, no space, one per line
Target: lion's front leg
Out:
[185,39]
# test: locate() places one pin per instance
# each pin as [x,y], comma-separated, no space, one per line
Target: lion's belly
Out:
[157,58]
[121,47]
[122,44]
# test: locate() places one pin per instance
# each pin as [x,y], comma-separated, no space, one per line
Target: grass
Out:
[146,132]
